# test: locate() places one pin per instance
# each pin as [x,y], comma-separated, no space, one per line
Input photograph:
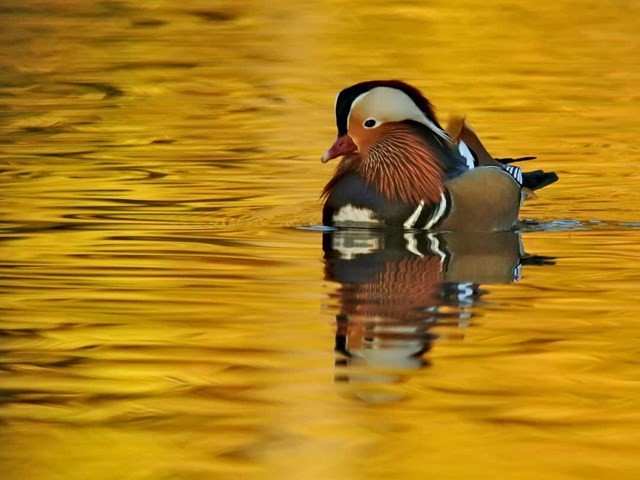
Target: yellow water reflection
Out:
[161,318]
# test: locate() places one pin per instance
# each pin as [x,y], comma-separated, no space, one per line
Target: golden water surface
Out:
[170,311]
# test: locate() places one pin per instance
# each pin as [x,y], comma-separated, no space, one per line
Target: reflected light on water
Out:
[161,317]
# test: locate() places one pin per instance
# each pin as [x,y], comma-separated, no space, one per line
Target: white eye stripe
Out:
[396,106]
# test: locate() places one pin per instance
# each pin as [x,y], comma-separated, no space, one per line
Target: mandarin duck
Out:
[401,169]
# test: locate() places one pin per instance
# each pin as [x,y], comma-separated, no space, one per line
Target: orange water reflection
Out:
[160,318]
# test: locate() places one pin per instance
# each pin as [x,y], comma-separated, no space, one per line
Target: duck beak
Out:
[341,146]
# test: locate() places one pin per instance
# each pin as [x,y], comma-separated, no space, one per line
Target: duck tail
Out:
[538,179]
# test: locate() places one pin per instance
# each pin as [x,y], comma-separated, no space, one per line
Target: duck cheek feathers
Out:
[342,146]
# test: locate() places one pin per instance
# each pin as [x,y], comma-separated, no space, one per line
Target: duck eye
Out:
[369,123]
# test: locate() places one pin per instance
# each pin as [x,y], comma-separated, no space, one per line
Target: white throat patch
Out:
[351,214]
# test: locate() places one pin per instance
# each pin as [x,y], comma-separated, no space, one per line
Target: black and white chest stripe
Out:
[426,217]
[423,217]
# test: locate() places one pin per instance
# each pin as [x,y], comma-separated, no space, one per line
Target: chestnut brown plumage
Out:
[400,165]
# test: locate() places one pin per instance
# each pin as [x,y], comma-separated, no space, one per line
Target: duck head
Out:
[362,109]
[388,133]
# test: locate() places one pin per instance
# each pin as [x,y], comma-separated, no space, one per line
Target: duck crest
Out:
[345,99]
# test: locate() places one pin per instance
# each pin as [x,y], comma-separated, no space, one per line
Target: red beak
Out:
[341,146]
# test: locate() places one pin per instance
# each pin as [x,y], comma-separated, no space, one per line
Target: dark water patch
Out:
[230,164]
[139,218]
[36,397]
[145,174]
[11,238]
[54,128]
[214,201]
[228,199]
[246,150]
[210,258]
[148,23]
[21,175]
[110,91]
[179,239]
[98,10]
[153,65]
[246,109]
[39,227]
[537,422]
[142,203]
[213,15]
[71,154]
[44,329]
[207,209]
[54,90]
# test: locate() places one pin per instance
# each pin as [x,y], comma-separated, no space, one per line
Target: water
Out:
[164,316]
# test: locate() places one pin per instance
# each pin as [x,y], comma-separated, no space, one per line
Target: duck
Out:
[401,169]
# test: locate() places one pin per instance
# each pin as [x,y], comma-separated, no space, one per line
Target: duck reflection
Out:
[396,286]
